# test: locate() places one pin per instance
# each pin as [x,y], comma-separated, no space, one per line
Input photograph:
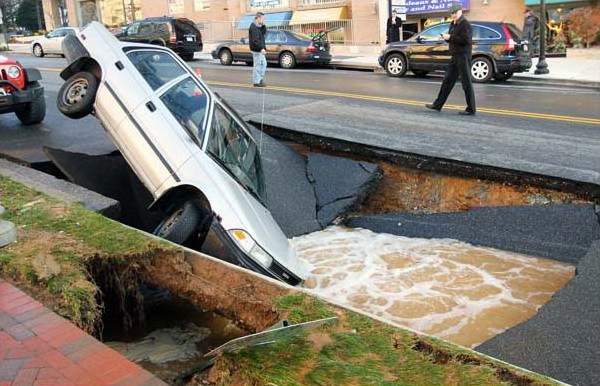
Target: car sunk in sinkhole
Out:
[189,148]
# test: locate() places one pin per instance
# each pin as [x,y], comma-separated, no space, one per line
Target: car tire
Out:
[481,70]
[35,111]
[287,60]
[180,223]
[76,96]
[188,57]
[225,57]
[38,51]
[395,65]
[503,76]
[420,73]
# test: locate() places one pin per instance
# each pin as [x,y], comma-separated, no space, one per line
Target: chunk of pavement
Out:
[8,233]
[59,189]
[289,196]
[340,184]
[563,339]
[561,232]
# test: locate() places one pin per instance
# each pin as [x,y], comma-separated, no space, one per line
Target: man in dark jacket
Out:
[256,38]
[459,37]
[394,24]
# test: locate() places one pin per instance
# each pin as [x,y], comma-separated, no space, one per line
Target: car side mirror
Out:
[419,39]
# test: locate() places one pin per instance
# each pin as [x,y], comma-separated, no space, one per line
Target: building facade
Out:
[77,13]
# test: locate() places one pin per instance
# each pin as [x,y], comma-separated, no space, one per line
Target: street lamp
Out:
[542,67]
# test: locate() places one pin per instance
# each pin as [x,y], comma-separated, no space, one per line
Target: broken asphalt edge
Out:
[12,171]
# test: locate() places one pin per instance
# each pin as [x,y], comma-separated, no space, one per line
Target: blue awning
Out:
[277,19]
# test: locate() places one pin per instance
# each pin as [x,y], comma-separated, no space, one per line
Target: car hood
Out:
[7,61]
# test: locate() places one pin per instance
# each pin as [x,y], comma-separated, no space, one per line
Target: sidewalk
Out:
[38,347]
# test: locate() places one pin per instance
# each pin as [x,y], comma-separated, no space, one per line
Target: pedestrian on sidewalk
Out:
[394,24]
[460,38]
[529,25]
[256,37]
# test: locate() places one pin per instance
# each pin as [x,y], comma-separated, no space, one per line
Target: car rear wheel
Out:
[76,96]
[35,111]
[38,51]
[481,70]
[287,60]
[180,223]
[187,56]
[225,57]
[395,65]
[503,76]
[420,73]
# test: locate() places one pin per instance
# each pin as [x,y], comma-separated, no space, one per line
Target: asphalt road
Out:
[546,129]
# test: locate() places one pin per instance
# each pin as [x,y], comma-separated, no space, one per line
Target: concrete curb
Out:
[60,189]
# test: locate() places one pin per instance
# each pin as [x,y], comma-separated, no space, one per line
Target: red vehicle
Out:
[21,92]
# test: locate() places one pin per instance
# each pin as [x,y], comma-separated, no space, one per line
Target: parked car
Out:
[498,52]
[285,48]
[189,148]
[51,43]
[20,92]
[178,34]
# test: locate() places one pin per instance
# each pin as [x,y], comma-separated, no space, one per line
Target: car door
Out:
[272,44]
[172,114]
[241,50]
[429,50]
[53,44]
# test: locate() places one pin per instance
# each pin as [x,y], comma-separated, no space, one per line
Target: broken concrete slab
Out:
[60,189]
[8,233]
[563,339]
[561,232]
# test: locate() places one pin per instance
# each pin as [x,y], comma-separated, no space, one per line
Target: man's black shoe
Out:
[466,112]
[431,106]
[259,85]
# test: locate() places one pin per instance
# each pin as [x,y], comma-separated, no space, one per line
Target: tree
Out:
[27,15]
[8,8]
[584,23]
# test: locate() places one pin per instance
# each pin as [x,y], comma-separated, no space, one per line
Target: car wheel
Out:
[34,112]
[180,223]
[187,57]
[76,96]
[395,65]
[287,60]
[38,51]
[503,76]
[420,73]
[481,70]
[225,57]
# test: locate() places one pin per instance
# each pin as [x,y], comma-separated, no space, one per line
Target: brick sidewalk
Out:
[38,347]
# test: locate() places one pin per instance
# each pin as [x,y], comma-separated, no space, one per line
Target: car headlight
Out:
[13,72]
[247,243]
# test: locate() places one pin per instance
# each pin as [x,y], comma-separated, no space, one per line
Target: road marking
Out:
[412,102]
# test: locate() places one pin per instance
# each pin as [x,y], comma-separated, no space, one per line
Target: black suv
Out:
[498,52]
[178,34]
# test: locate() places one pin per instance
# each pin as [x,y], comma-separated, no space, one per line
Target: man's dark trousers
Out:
[460,64]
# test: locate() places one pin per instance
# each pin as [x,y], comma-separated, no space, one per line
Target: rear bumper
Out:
[317,57]
[187,48]
[514,65]
[8,103]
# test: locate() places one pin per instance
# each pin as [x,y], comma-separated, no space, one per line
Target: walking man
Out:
[256,35]
[459,37]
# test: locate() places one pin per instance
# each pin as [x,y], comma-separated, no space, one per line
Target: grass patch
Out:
[55,244]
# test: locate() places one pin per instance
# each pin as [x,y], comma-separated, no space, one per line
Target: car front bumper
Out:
[219,244]
[9,102]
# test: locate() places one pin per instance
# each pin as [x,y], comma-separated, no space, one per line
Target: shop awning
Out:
[319,15]
[276,19]
[548,2]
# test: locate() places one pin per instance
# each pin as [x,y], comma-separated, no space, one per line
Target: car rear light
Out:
[311,48]
[173,39]
[510,42]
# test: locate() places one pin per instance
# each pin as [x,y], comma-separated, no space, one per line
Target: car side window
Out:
[234,149]
[70,32]
[280,38]
[433,33]
[485,33]
[133,28]
[56,33]
[188,103]
[145,28]
[270,37]
[156,67]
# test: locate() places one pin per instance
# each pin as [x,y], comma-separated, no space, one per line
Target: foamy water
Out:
[446,288]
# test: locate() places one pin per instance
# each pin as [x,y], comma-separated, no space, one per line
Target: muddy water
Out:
[446,288]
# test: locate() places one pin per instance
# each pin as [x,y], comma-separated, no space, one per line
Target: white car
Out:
[190,149]
[51,43]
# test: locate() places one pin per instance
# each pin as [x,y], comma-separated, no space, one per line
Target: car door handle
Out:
[151,106]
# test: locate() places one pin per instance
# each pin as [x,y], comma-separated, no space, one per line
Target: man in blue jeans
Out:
[256,37]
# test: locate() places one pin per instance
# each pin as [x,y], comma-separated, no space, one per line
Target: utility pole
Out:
[542,67]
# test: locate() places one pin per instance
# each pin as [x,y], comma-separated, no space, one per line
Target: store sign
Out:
[429,6]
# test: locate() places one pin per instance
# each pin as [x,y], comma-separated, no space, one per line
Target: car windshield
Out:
[188,104]
[235,150]
[157,67]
